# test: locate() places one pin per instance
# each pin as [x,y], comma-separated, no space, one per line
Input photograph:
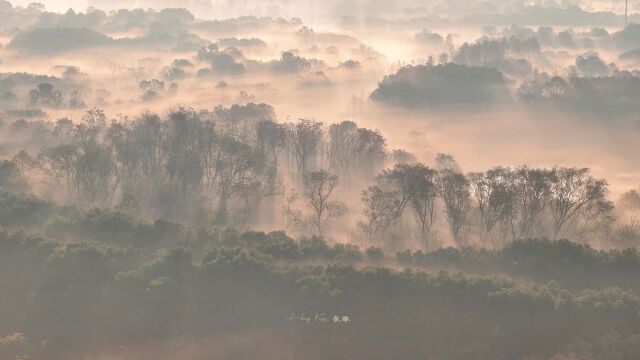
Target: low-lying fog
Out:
[490,83]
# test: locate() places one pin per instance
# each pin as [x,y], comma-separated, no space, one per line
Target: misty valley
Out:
[296,179]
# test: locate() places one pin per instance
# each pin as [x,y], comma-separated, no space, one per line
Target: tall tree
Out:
[456,195]
[318,188]
[532,188]
[342,151]
[423,194]
[576,194]
[304,141]
[380,206]
[270,141]
[494,201]
[415,186]
[355,151]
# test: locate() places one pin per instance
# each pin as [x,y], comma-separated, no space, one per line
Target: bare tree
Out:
[494,200]
[138,73]
[318,187]
[423,194]
[115,68]
[304,141]
[380,208]
[399,178]
[413,185]
[447,162]
[372,151]
[270,141]
[450,47]
[352,150]
[342,151]
[457,200]
[182,153]
[85,165]
[576,194]
[531,187]
[235,174]
[58,166]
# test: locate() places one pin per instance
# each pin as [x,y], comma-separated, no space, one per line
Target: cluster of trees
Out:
[231,61]
[47,41]
[46,95]
[538,260]
[25,92]
[606,95]
[591,86]
[238,167]
[225,163]
[507,54]
[427,86]
[491,207]
[476,72]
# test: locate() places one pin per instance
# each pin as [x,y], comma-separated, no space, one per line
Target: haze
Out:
[442,180]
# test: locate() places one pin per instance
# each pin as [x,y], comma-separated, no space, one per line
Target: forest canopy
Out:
[442,85]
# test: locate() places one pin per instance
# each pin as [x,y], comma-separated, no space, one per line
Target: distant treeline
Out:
[590,87]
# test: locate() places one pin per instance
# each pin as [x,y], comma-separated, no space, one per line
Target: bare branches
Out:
[318,188]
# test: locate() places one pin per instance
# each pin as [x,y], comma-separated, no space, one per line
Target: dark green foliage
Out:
[109,279]
[375,254]
[47,41]
[244,288]
[573,266]
[23,211]
[276,244]
[605,96]
[314,247]
[425,86]
[11,178]
[346,253]
[108,227]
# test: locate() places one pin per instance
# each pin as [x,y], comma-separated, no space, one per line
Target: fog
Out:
[192,182]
